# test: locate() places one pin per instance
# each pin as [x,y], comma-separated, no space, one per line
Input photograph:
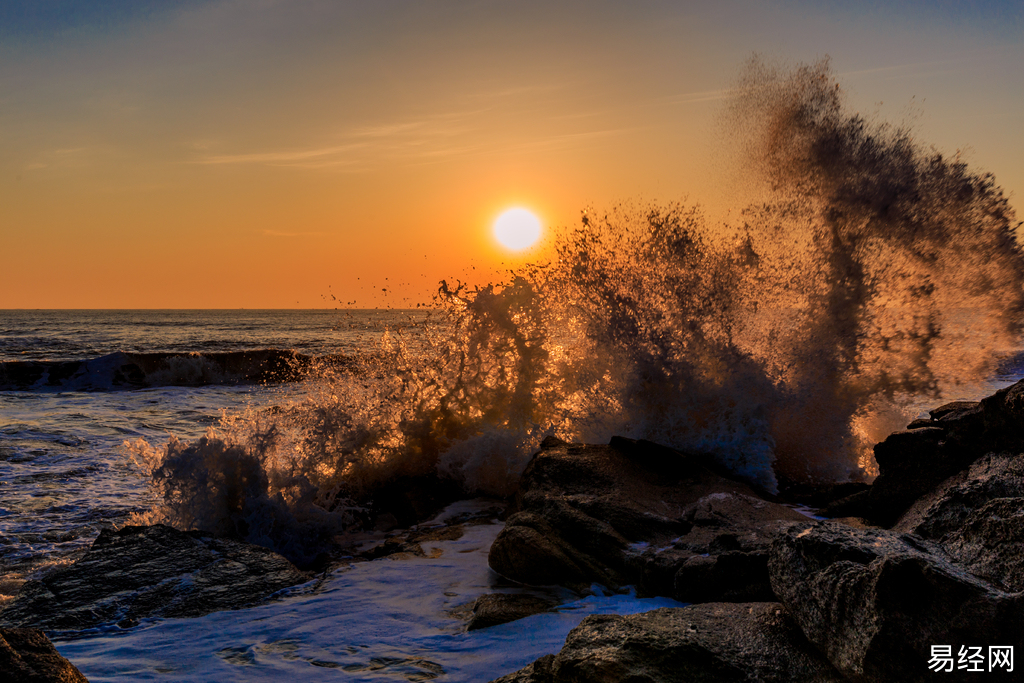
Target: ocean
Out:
[65,474]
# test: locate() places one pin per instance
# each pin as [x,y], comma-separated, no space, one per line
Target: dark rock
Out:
[501,608]
[818,495]
[875,601]
[954,409]
[151,571]
[409,500]
[28,656]
[638,513]
[856,505]
[990,544]
[408,543]
[912,463]
[976,516]
[710,642]
[947,507]
[537,672]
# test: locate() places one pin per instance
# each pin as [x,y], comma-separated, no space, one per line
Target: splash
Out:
[784,343]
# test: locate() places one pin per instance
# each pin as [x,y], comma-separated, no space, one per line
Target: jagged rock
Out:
[977,516]
[151,571]
[28,656]
[875,601]
[501,608]
[947,507]
[990,544]
[709,642]
[638,513]
[911,463]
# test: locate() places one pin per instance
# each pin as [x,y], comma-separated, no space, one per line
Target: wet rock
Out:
[913,462]
[408,543]
[947,507]
[501,608]
[28,656]
[637,513]
[875,601]
[537,672]
[710,642]
[151,571]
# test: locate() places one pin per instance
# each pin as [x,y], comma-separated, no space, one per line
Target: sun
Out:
[517,229]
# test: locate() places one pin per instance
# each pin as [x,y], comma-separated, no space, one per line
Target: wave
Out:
[869,270]
[123,371]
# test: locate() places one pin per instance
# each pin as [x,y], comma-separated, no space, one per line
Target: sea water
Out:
[64,471]
[66,474]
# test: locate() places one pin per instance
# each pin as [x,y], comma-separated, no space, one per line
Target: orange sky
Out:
[226,154]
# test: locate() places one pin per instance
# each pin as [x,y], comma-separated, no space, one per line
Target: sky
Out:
[322,153]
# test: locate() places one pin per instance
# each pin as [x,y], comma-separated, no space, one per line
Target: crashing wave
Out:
[782,344]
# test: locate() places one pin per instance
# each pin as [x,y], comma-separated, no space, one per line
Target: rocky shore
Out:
[918,575]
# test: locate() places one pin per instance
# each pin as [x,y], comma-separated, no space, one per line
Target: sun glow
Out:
[517,229]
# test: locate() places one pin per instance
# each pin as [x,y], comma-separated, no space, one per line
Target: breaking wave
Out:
[784,343]
[124,371]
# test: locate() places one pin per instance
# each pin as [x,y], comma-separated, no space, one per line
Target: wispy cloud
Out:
[702,96]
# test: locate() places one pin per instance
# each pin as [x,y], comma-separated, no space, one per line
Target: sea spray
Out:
[784,343]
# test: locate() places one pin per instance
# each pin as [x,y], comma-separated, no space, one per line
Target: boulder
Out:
[876,601]
[947,507]
[28,656]
[150,571]
[990,544]
[709,642]
[913,462]
[633,512]
[500,608]
[977,516]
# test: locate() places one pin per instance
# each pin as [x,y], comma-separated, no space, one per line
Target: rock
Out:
[28,656]
[409,500]
[947,507]
[151,571]
[977,516]
[501,608]
[913,462]
[875,601]
[637,513]
[408,543]
[990,544]
[709,642]
[537,672]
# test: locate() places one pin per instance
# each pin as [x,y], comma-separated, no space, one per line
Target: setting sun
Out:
[517,229]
